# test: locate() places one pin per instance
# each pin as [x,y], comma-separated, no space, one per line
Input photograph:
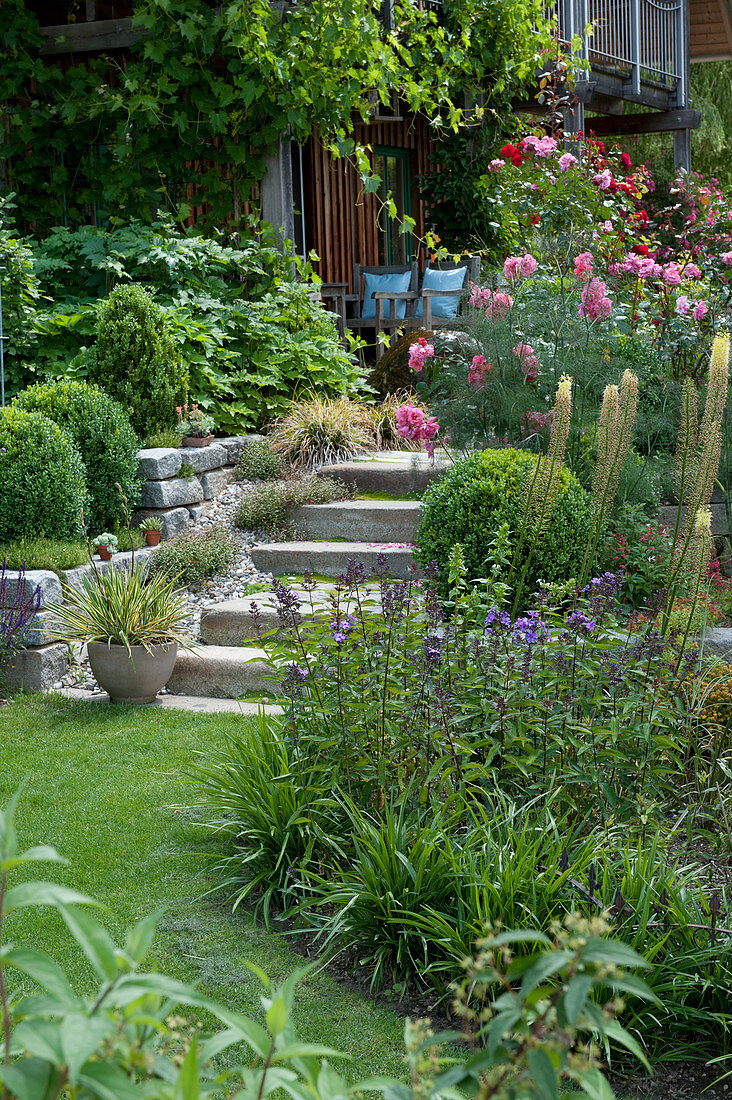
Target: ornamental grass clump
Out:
[123,608]
[322,430]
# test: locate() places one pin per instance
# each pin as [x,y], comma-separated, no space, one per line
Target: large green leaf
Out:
[94,941]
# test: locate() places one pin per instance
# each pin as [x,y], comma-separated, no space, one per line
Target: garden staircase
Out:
[231,663]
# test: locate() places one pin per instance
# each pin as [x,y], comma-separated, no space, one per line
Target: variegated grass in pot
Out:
[132,626]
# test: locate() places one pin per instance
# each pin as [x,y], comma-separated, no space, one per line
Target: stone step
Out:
[199,704]
[230,622]
[409,473]
[359,520]
[222,672]
[330,559]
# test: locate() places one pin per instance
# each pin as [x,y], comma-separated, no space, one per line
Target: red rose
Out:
[517,160]
[626,161]
[640,249]
[535,219]
[509,151]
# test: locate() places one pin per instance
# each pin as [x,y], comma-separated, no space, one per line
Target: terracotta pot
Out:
[152,538]
[132,681]
[104,553]
[197,440]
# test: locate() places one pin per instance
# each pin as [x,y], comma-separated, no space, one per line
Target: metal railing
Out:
[640,40]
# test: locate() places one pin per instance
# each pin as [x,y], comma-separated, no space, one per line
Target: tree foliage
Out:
[190,115]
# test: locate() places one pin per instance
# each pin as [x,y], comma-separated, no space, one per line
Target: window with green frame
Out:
[392,165]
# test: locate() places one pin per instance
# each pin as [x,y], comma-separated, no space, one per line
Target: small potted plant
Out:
[105,545]
[132,625]
[195,427]
[152,528]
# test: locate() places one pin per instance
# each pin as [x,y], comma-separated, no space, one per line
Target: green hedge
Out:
[102,431]
[42,482]
[486,489]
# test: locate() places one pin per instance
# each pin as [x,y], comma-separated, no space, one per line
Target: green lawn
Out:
[110,788]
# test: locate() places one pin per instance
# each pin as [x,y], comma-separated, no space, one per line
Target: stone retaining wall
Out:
[179,500]
[44,661]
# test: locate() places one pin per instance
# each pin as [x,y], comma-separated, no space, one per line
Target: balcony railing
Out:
[643,41]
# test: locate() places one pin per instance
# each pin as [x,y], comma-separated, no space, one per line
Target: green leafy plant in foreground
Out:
[123,1042]
[522,1017]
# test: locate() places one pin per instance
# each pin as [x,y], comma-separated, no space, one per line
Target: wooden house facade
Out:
[638,54]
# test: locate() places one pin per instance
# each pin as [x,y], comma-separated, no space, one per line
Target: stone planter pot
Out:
[197,440]
[152,538]
[135,681]
[104,553]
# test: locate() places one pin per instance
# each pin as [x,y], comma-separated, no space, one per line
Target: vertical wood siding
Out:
[340,221]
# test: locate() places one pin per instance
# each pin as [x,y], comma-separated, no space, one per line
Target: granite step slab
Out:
[330,559]
[230,622]
[410,473]
[222,672]
[198,704]
[359,520]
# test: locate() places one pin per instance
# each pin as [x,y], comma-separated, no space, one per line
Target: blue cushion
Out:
[436,279]
[373,283]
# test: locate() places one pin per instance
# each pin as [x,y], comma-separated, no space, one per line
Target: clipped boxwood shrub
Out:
[486,489]
[136,360]
[105,438]
[42,482]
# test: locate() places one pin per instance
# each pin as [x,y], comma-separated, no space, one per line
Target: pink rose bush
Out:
[419,353]
[595,305]
[583,265]
[479,368]
[414,424]
[495,303]
[530,365]
[523,266]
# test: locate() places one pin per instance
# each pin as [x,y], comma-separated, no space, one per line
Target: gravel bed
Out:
[231,586]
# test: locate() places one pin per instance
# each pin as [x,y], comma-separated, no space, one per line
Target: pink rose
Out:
[478,370]
[528,361]
[498,306]
[528,265]
[596,306]
[671,275]
[566,161]
[683,305]
[691,271]
[496,164]
[545,147]
[512,267]
[583,265]
[726,258]
[700,310]
[419,352]
[603,180]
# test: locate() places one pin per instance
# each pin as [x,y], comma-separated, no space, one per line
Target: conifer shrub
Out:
[104,436]
[481,492]
[42,478]
[136,360]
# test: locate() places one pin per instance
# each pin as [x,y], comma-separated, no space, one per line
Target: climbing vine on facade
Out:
[187,117]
